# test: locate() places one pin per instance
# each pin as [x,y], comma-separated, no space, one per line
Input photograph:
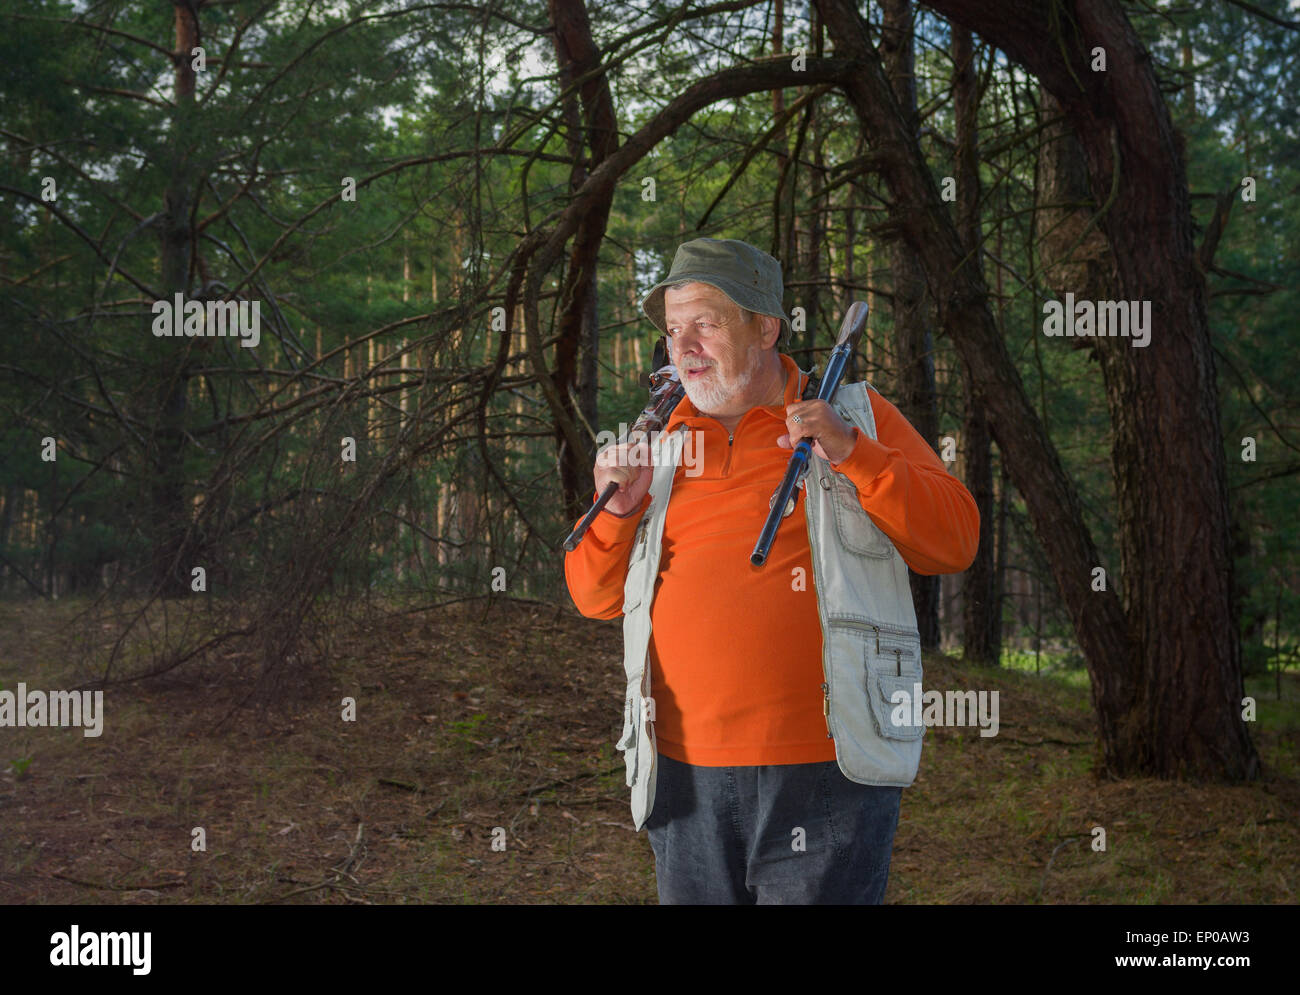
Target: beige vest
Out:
[870,645]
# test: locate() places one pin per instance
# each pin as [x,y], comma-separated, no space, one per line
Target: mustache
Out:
[695,364]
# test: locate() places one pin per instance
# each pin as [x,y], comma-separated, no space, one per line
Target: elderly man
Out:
[765,756]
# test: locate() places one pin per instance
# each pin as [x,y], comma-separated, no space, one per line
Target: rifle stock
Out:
[665,391]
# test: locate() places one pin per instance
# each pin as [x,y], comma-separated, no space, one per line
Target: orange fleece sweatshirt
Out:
[735,649]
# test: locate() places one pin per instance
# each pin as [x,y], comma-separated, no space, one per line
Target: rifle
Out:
[850,333]
[665,391]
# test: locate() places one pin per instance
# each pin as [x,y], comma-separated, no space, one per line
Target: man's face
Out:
[715,352]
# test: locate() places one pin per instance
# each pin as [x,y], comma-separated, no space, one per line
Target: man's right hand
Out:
[626,464]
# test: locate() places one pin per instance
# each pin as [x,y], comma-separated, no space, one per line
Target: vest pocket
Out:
[627,742]
[893,673]
[857,532]
[638,727]
[893,704]
[896,653]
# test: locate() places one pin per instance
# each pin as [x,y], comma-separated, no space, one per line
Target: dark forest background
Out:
[448,212]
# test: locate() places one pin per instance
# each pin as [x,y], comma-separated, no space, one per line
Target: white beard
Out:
[710,397]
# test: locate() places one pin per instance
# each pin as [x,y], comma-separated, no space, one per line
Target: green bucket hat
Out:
[749,276]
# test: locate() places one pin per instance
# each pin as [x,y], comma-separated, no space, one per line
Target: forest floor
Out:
[472,719]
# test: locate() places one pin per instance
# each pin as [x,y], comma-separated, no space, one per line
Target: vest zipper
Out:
[850,623]
[726,467]
[888,630]
[898,653]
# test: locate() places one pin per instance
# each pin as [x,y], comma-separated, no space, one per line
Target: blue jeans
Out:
[781,834]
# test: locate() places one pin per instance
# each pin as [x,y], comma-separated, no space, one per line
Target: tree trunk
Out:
[963,310]
[913,336]
[1070,258]
[1166,663]
[167,491]
[577,319]
[980,606]
[1184,682]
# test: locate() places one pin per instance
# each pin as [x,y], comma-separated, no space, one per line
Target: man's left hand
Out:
[833,437]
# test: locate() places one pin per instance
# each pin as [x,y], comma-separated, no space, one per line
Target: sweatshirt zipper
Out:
[726,467]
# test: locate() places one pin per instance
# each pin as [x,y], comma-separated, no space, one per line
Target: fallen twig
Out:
[115,887]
